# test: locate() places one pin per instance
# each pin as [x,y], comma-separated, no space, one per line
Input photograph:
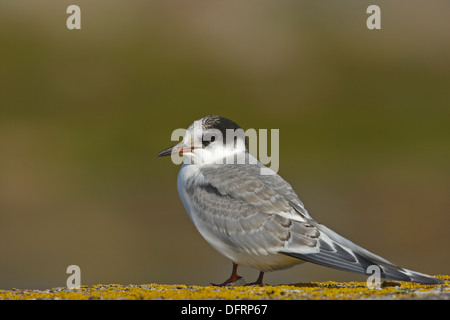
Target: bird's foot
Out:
[232,281]
[258,282]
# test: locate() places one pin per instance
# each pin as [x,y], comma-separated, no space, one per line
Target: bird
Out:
[256,219]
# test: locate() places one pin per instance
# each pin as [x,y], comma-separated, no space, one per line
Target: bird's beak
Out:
[176,149]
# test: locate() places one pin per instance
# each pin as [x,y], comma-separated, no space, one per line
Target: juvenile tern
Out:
[255,219]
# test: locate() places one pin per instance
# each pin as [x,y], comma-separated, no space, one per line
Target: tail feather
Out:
[362,264]
[337,252]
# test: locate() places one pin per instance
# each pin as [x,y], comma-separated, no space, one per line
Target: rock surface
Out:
[300,291]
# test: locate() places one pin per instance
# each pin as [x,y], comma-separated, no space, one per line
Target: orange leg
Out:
[259,281]
[233,278]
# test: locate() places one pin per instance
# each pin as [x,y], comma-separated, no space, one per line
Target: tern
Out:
[256,219]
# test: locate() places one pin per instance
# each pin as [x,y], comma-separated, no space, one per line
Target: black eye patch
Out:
[206,141]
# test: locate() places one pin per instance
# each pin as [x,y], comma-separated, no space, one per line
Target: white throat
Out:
[215,154]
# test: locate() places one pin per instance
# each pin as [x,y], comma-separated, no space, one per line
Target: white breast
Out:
[187,172]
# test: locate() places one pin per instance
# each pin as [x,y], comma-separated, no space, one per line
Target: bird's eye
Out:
[206,141]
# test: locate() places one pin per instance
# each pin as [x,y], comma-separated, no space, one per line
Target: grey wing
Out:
[249,214]
[245,182]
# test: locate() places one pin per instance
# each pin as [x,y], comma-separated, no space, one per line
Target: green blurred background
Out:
[364,119]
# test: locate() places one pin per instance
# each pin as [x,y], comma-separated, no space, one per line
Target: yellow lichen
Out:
[311,290]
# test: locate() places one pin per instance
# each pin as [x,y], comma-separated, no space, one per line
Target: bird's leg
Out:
[233,278]
[259,281]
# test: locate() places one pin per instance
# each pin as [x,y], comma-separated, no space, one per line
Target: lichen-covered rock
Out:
[311,290]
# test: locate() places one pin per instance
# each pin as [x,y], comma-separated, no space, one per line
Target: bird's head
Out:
[209,140]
